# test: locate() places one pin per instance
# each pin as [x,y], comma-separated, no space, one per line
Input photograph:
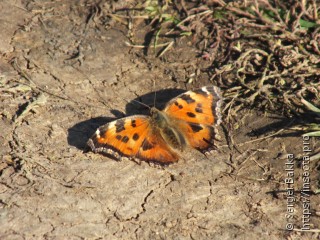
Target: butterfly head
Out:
[159,118]
[156,115]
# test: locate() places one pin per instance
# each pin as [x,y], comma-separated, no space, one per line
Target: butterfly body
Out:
[188,120]
[166,127]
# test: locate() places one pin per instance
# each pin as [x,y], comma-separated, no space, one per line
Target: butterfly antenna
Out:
[155,93]
[141,103]
[133,100]
[136,101]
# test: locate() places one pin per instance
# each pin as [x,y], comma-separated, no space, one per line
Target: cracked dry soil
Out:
[60,79]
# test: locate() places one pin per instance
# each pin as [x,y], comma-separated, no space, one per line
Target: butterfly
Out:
[188,120]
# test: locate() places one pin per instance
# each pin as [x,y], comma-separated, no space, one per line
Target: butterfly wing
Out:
[196,113]
[199,136]
[132,137]
[155,149]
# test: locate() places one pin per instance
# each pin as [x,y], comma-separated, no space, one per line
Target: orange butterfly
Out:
[187,120]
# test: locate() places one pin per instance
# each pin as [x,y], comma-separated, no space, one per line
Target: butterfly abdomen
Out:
[173,138]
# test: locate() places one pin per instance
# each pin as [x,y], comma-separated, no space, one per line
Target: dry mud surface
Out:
[61,78]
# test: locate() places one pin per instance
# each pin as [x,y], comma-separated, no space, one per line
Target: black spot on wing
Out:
[146,145]
[133,123]
[195,127]
[191,114]
[209,142]
[178,105]
[187,98]
[198,109]
[125,139]
[119,126]
[135,136]
[118,137]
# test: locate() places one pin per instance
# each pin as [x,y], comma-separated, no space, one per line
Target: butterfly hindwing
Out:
[155,149]
[199,136]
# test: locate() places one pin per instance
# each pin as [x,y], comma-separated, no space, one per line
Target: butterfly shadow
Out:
[157,99]
[79,134]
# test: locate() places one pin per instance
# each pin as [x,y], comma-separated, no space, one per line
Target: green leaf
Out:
[219,14]
[186,34]
[150,9]
[307,24]
[167,17]
[310,106]
[312,134]
[156,39]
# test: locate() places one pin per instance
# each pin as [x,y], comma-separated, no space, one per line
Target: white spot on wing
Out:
[112,124]
[205,90]
[98,133]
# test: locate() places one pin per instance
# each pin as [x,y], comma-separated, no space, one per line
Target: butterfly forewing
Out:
[123,136]
[131,137]
[196,113]
[199,106]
